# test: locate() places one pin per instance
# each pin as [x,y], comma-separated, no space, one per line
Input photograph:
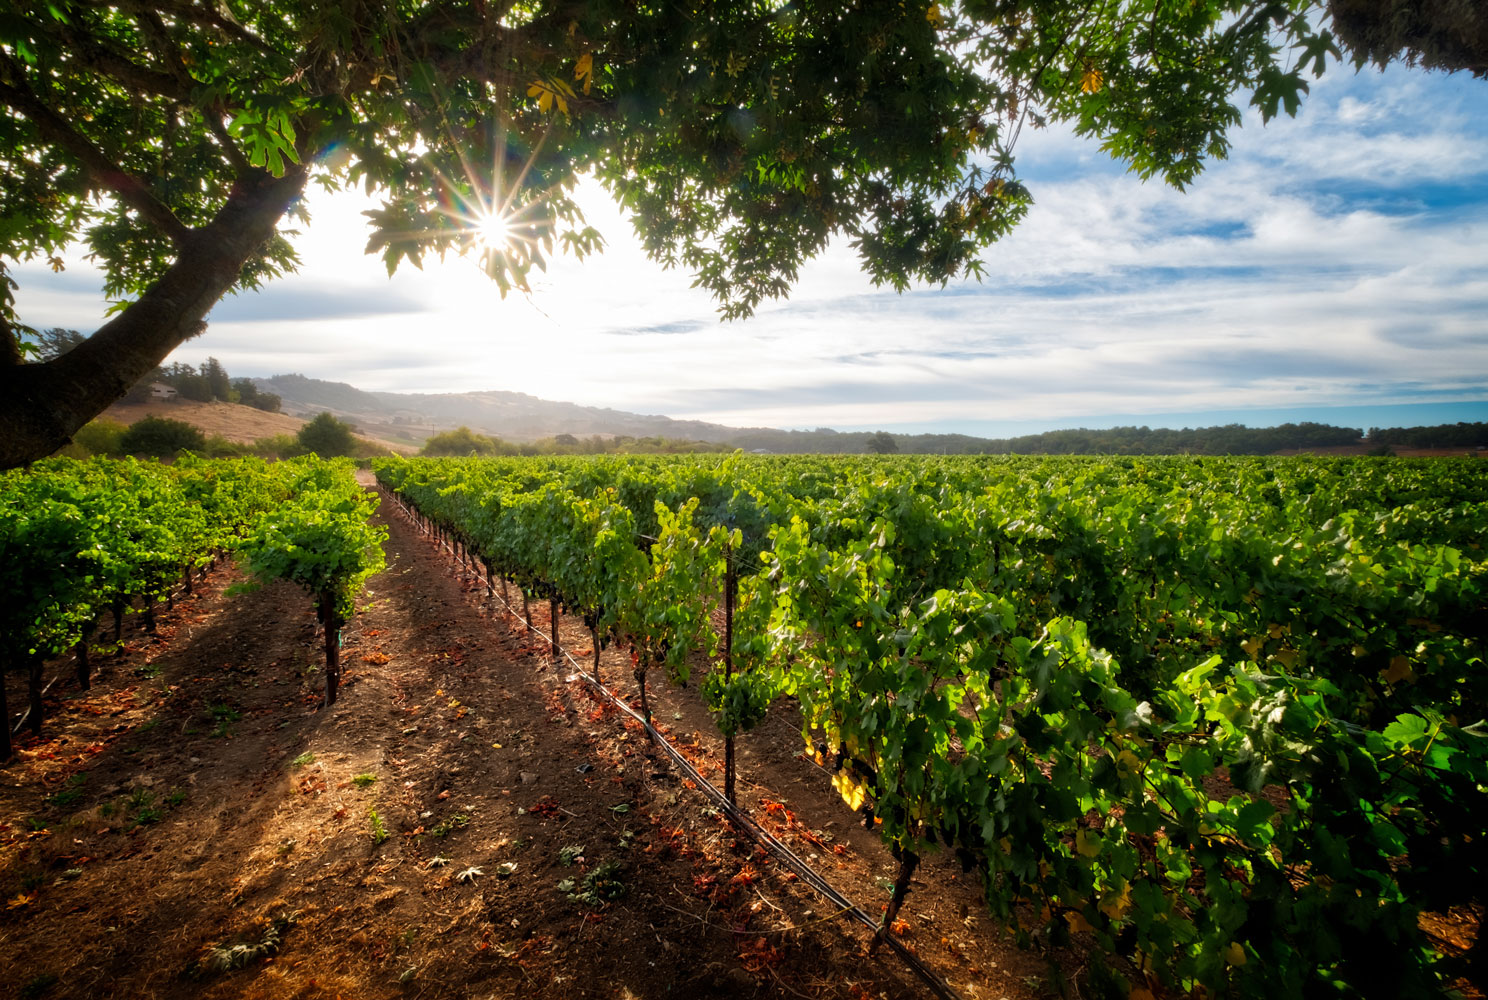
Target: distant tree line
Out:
[205,384]
[463,442]
[1458,435]
[1228,439]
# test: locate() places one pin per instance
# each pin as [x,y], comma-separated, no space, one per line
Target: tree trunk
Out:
[553,626]
[150,615]
[595,634]
[118,608]
[33,689]
[526,610]
[186,578]
[42,405]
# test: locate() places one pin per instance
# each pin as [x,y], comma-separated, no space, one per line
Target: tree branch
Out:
[165,46]
[132,191]
[100,55]
[207,18]
[10,345]
[43,405]
[229,148]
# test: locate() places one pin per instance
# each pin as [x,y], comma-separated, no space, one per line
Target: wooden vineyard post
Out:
[84,670]
[332,624]
[728,666]
[33,689]
[5,748]
[594,634]
[553,626]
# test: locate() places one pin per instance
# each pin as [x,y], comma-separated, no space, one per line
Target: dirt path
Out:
[433,835]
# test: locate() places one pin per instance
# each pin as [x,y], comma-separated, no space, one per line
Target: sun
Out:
[492,232]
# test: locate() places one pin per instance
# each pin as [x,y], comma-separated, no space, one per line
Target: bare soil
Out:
[431,834]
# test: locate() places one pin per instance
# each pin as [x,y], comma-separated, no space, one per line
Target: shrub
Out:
[101,437]
[278,446]
[160,437]
[220,447]
[327,437]
[459,442]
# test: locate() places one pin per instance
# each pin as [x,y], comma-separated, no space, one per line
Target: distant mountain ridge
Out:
[409,418]
[515,416]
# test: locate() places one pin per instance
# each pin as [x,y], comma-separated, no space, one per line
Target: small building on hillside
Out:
[159,390]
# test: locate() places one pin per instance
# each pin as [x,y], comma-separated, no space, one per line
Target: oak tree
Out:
[175,139]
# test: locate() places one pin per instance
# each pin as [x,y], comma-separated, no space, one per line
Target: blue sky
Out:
[1334,268]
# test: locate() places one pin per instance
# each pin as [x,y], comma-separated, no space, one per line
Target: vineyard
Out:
[1214,725]
[1223,717]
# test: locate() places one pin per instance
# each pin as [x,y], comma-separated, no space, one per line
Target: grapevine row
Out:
[1219,717]
[80,539]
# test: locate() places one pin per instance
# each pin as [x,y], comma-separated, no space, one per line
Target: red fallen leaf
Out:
[746,876]
[545,807]
[443,795]
[900,927]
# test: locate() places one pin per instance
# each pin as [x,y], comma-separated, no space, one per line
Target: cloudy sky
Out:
[1334,268]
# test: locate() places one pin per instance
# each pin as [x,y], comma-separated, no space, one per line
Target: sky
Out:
[1333,268]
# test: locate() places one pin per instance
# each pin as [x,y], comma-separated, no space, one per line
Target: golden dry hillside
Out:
[230,420]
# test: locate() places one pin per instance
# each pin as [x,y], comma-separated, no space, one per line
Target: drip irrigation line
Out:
[740,819]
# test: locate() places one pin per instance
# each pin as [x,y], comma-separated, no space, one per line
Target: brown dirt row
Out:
[199,798]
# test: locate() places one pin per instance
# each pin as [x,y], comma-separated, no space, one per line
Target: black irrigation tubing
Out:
[740,819]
